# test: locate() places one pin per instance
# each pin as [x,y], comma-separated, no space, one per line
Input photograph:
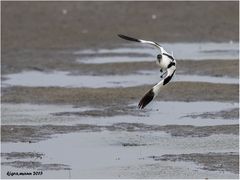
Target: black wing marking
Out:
[128,38]
[141,41]
[169,56]
[171,64]
[147,98]
[167,79]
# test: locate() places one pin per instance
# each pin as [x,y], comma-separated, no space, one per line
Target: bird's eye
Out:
[159,56]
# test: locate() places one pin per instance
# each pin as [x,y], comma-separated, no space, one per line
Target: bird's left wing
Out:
[142,41]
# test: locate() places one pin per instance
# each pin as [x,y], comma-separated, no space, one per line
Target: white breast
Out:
[165,61]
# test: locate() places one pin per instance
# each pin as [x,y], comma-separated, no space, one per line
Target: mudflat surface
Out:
[32,134]
[179,91]
[45,61]
[189,131]
[211,161]
[86,24]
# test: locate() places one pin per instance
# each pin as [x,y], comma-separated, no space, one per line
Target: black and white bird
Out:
[167,65]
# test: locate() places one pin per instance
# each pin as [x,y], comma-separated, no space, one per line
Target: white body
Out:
[158,86]
[164,62]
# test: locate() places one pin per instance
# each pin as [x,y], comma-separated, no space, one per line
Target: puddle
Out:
[64,79]
[157,113]
[85,153]
[182,51]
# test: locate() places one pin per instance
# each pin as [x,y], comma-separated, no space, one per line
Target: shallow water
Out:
[64,79]
[86,152]
[156,113]
[182,51]
[171,113]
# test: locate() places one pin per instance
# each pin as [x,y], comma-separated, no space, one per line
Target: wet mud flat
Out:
[226,114]
[210,161]
[69,27]
[132,143]
[176,91]
[36,165]
[68,132]
[22,161]
[33,134]
[146,141]
[66,60]
[142,145]
[21,155]
[150,137]
[113,102]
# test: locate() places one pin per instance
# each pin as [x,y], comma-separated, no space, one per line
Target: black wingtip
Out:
[147,98]
[128,38]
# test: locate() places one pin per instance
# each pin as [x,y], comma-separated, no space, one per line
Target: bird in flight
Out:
[167,65]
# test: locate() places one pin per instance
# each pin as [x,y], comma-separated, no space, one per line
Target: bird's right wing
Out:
[142,41]
[147,98]
[170,72]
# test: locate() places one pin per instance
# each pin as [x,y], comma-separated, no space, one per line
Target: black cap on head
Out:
[159,56]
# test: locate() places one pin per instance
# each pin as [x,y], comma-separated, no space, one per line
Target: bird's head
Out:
[159,57]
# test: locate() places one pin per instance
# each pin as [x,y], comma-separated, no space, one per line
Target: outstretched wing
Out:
[147,98]
[170,72]
[142,41]
[153,92]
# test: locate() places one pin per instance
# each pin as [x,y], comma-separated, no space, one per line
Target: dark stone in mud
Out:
[22,155]
[23,133]
[229,114]
[211,161]
[36,165]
